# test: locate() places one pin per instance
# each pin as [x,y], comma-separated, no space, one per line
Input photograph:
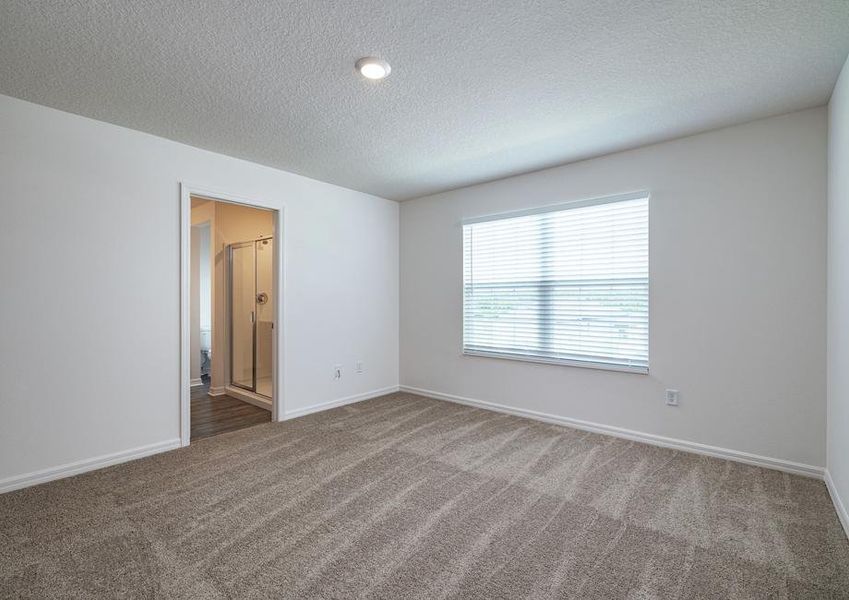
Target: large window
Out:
[566,284]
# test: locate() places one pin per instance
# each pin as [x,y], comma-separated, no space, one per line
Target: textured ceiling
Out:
[479,90]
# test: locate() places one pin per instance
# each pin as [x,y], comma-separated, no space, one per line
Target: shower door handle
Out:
[253,317]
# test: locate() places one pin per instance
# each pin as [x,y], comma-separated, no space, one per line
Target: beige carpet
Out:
[406,497]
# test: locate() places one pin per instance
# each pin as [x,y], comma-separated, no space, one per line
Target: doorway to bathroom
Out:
[231,263]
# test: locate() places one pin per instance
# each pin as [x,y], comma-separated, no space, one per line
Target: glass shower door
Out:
[242,314]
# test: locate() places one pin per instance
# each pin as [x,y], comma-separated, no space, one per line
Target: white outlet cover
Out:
[672,397]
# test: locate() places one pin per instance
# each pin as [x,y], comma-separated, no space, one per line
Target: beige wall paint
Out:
[233,223]
[194,305]
[229,223]
[203,214]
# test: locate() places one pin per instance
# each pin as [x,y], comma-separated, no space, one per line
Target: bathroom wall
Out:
[194,306]
[233,223]
[203,222]
[205,284]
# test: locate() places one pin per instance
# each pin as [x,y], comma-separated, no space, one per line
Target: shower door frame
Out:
[230,248]
[278,210]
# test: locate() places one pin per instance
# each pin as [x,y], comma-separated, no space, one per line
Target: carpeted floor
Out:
[407,497]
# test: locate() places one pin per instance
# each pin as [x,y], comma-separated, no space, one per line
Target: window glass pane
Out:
[565,285]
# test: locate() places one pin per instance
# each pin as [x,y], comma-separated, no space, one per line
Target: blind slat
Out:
[569,285]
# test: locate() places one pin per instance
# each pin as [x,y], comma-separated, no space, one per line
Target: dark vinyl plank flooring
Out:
[222,414]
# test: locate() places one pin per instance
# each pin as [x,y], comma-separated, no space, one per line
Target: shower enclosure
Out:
[251,314]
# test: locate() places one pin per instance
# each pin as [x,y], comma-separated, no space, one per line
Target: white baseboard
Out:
[217,391]
[300,412]
[629,434]
[842,514]
[249,397]
[82,466]
[196,382]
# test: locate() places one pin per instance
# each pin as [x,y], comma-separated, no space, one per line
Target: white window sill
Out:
[560,362]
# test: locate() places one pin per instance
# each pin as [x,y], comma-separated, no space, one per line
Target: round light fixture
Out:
[373,68]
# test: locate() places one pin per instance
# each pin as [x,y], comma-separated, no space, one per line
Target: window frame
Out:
[585,364]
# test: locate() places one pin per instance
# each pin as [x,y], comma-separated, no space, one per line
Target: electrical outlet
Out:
[337,372]
[359,366]
[672,397]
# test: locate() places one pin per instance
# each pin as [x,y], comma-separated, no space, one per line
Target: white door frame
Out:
[187,190]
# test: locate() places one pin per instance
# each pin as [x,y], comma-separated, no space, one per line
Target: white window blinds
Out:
[567,284]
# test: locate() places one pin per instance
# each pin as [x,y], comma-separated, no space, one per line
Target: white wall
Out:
[737,261]
[838,293]
[89,349]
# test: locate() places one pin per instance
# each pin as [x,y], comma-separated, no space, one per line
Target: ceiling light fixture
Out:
[373,68]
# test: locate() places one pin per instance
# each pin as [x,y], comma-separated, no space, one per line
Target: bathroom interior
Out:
[232,298]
